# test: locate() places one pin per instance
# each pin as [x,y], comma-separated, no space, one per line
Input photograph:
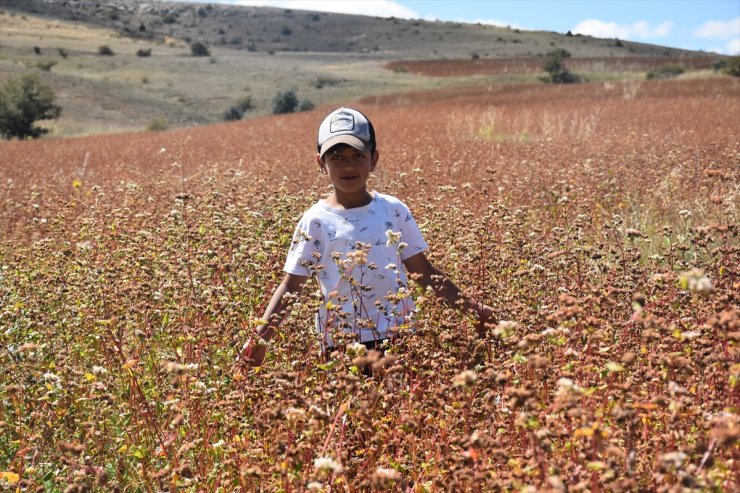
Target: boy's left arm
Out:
[423,272]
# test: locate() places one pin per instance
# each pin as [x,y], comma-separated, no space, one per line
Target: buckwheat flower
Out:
[672,459]
[51,377]
[695,280]
[567,385]
[359,257]
[84,246]
[391,266]
[387,474]
[356,349]
[402,245]
[327,464]
[99,370]
[295,415]
[685,214]
[465,379]
[315,486]
[393,238]
[218,444]
[504,329]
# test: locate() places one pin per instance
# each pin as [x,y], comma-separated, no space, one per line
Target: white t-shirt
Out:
[356,286]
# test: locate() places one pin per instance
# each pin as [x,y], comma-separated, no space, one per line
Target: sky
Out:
[709,25]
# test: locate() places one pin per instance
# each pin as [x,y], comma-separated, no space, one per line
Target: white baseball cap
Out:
[346,126]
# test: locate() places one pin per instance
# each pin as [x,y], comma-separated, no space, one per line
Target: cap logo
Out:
[342,122]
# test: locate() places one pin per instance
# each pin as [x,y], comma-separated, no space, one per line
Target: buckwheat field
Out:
[599,220]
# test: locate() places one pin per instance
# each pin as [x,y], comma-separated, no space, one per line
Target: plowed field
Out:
[458,68]
[599,220]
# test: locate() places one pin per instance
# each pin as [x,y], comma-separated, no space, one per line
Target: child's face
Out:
[348,168]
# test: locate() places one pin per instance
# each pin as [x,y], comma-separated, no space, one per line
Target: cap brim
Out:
[350,140]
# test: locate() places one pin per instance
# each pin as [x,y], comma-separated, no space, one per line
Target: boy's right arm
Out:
[255,349]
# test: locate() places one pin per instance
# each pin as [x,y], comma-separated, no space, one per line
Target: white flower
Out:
[51,377]
[387,474]
[696,280]
[465,379]
[315,486]
[99,370]
[566,384]
[218,444]
[504,329]
[356,349]
[327,464]
[393,238]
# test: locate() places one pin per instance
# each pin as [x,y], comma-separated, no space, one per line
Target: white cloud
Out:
[719,29]
[733,47]
[641,29]
[379,8]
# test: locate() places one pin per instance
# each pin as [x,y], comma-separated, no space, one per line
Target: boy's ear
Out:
[374,162]
[322,166]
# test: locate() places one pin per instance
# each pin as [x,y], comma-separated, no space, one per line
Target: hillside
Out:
[255,52]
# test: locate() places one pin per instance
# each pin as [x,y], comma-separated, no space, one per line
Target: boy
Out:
[354,241]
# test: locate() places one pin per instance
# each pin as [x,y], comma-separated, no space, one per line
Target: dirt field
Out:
[599,220]
[459,68]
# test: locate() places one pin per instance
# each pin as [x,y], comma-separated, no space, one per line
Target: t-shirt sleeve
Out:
[304,245]
[410,233]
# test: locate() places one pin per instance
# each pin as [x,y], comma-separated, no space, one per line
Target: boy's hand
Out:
[254,351]
[485,314]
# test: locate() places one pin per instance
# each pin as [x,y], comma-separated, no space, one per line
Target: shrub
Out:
[105,50]
[22,102]
[733,66]
[233,113]
[556,69]
[306,105]
[46,66]
[62,52]
[197,48]
[157,124]
[144,52]
[664,72]
[719,64]
[284,102]
[245,104]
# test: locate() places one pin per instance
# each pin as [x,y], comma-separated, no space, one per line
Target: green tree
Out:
[284,102]
[733,66]
[22,102]
[197,48]
[556,69]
